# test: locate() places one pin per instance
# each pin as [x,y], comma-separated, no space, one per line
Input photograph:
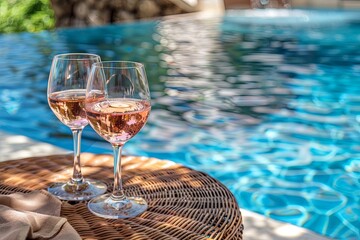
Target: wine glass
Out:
[117,105]
[66,96]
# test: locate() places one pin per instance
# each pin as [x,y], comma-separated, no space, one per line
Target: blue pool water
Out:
[268,102]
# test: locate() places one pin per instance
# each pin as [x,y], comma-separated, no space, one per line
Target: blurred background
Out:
[37,15]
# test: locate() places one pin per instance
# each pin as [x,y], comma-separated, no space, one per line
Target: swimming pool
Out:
[265,101]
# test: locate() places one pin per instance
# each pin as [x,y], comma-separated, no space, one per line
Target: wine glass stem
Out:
[118,191]
[77,177]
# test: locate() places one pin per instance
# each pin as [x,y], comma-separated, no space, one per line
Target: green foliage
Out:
[26,15]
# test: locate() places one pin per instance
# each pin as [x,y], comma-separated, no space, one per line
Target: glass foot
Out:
[104,206]
[77,192]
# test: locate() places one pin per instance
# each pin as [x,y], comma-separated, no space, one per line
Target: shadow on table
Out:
[183,203]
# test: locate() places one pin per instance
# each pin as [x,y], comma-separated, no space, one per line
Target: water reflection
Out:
[267,105]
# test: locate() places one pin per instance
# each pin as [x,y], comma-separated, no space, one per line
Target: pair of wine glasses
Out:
[114,98]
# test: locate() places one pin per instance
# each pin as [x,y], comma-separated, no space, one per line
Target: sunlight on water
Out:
[268,105]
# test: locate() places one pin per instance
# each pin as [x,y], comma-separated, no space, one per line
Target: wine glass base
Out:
[104,206]
[70,192]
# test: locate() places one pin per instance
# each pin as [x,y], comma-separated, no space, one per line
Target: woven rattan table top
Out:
[183,203]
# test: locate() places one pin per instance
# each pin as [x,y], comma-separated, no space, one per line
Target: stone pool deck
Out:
[257,227]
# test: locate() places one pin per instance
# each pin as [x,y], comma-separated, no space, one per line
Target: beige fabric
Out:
[34,215]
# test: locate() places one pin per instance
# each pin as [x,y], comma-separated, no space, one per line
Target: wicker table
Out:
[183,203]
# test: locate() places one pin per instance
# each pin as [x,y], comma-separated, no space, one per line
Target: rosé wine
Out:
[117,120]
[68,106]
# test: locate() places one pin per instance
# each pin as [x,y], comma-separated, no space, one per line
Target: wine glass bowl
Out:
[117,105]
[66,96]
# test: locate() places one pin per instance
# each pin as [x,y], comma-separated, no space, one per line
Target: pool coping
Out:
[257,227]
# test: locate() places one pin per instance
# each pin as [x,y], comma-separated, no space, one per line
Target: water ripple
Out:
[266,103]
